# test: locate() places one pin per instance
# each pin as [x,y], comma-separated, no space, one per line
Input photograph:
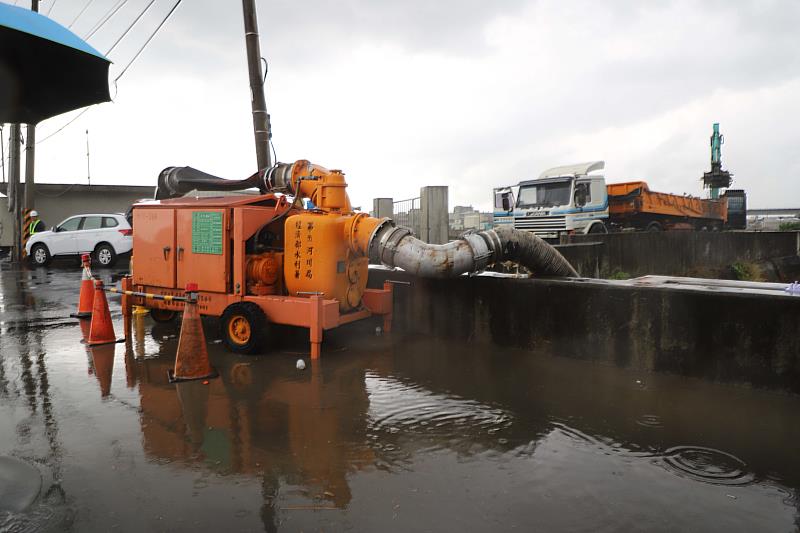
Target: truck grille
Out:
[541,224]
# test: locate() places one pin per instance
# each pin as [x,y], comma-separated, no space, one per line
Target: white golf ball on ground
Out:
[301,365]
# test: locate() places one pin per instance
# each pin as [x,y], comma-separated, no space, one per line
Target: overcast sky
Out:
[472,94]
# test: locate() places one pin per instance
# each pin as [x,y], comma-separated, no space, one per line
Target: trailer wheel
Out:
[654,226]
[162,316]
[244,327]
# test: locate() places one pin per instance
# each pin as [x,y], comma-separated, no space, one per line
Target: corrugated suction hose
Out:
[395,246]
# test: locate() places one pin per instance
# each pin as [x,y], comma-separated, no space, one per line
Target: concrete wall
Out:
[741,338]
[676,253]
[57,202]
[435,222]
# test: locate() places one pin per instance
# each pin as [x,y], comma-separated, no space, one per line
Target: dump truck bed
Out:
[636,198]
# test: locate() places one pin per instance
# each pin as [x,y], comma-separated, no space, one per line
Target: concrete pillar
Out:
[435,222]
[383,207]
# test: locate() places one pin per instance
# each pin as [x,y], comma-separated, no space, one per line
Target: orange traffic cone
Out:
[86,299]
[191,362]
[102,330]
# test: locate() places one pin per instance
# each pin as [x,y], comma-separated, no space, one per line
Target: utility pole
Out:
[13,189]
[88,168]
[3,153]
[30,150]
[261,127]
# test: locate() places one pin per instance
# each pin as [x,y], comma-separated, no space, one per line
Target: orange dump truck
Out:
[633,205]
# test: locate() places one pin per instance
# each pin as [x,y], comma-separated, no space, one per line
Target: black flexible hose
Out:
[530,251]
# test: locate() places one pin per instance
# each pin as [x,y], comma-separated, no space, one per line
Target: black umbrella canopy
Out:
[45,69]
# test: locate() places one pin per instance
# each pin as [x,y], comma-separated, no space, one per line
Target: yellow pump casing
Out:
[319,258]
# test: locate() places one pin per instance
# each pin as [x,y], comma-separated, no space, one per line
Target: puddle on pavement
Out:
[385,433]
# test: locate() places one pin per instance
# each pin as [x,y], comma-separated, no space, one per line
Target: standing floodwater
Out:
[385,433]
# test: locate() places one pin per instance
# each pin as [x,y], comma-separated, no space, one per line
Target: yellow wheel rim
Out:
[239,330]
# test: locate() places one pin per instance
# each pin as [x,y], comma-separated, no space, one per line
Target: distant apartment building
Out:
[466,217]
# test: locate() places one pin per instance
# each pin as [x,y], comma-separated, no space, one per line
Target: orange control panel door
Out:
[154,247]
[203,248]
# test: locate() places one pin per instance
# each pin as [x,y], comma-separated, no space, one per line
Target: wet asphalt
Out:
[385,432]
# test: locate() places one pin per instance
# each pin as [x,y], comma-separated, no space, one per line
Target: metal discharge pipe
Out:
[395,246]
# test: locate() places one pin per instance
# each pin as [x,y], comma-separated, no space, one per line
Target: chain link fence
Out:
[407,213]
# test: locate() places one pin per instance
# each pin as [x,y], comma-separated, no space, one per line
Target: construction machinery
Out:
[717,178]
[265,258]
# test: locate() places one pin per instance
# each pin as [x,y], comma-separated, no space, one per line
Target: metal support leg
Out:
[127,307]
[387,318]
[315,329]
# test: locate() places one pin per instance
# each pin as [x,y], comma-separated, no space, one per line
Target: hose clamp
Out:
[389,242]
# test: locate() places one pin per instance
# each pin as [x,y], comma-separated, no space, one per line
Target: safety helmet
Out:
[34,213]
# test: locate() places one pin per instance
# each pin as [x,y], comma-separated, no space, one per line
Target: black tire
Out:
[104,255]
[40,255]
[163,316]
[598,229]
[654,226]
[241,317]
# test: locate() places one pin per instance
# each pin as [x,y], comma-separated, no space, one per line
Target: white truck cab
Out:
[564,199]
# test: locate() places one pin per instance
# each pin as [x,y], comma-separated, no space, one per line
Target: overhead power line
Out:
[138,53]
[124,70]
[105,18]
[129,28]
[51,7]
[76,117]
[80,13]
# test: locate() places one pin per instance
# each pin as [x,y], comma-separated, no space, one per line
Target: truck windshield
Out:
[545,195]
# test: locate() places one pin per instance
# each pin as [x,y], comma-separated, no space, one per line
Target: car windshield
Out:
[545,195]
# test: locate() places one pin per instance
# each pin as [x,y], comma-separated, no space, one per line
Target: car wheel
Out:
[40,255]
[104,255]
[244,327]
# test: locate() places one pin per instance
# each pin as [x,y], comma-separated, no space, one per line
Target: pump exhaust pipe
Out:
[395,246]
[174,182]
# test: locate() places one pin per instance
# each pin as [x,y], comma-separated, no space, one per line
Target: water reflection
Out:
[389,434]
[306,430]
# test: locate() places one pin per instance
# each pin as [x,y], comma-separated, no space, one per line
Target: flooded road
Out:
[385,433]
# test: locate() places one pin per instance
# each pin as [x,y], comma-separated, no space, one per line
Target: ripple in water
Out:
[649,421]
[397,407]
[707,465]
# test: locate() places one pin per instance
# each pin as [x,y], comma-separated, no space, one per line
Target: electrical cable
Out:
[131,26]
[51,8]
[80,13]
[163,21]
[76,117]
[105,18]
[138,53]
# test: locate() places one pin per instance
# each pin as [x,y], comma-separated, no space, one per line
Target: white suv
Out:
[105,236]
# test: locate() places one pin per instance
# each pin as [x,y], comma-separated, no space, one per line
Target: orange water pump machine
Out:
[262,259]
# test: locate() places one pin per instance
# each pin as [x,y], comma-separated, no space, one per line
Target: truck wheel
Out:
[244,327]
[598,229]
[40,255]
[654,226]
[104,255]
